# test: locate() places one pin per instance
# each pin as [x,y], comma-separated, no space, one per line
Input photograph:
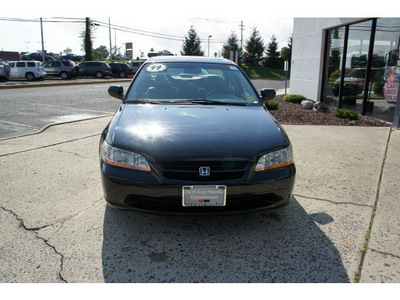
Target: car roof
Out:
[189,59]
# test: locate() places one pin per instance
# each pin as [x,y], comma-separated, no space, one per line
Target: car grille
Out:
[189,170]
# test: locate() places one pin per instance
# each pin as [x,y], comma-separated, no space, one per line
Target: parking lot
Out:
[57,228]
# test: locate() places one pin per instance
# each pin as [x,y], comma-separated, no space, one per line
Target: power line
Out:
[104,24]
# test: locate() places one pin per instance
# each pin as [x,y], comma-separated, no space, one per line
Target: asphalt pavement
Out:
[341,226]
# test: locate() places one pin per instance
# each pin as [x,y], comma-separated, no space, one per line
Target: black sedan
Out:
[192,137]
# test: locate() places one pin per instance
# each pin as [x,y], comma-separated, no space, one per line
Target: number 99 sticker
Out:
[156,68]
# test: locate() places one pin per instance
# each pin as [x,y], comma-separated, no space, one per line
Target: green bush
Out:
[271,105]
[346,114]
[294,98]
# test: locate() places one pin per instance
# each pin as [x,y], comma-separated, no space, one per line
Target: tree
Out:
[273,60]
[254,47]
[286,52]
[191,44]
[101,53]
[88,40]
[232,44]
[67,50]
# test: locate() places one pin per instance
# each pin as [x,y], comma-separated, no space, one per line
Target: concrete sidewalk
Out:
[342,225]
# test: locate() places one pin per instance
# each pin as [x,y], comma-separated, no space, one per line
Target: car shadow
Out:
[283,245]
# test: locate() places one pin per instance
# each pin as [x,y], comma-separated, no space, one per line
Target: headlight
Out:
[123,158]
[275,159]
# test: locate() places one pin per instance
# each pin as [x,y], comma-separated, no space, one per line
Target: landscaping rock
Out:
[321,107]
[307,104]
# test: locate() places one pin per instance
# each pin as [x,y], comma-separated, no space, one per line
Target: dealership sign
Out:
[391,91]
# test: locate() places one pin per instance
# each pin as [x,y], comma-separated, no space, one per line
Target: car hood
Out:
[184,132]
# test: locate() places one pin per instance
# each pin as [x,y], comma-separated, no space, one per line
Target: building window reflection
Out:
[356,81]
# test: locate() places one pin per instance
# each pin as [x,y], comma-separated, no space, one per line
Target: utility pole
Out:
[41,30]
[241,38]
[109,29]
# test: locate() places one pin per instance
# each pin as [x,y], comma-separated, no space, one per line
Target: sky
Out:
[169,18]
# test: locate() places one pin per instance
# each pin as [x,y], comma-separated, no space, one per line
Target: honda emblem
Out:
[204,171]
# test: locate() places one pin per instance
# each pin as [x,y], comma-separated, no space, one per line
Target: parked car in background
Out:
[31,70]
[94,68]
[121,70]
[72,57]
[135,65]
[354,81]
[61,68]
[4,71]
[35,56]
[192,136]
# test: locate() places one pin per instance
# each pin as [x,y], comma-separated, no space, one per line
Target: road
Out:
[27,110]
[30,109]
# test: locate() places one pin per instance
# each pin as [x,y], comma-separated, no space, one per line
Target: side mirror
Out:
[268,94]
[116,91]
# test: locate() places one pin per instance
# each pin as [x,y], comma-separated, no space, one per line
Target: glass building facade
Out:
[362,68]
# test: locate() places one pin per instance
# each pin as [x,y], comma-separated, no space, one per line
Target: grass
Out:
[261,72]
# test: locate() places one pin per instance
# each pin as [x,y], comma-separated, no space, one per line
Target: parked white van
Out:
[30,70]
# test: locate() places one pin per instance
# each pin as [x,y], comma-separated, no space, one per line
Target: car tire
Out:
[99,74]
[64,75]
[30,76]
[122,74]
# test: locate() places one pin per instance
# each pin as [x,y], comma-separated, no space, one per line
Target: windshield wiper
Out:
[151,101]
[201,101]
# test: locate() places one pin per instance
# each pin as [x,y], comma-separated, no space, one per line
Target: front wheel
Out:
[30,76]
[99,74]
[64,75]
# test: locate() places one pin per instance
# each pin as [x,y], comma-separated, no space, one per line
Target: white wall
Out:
[308,54]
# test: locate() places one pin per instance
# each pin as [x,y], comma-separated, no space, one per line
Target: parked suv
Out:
[35,56]
[4,71]
[121,70]
[94,68]
[135,65]
[30,70]
[62,68]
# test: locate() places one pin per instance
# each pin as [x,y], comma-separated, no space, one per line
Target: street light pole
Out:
[210,36]
[41,30]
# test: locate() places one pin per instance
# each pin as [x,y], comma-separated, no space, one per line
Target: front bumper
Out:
[146,192]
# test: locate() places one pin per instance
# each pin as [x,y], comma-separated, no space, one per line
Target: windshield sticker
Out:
[156,68]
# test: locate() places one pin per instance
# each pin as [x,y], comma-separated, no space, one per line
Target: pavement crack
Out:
[51,145]
[35,230]
[332,201]
[384,253]
[357,276]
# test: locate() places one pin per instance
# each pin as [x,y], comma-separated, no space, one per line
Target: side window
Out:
[20,65]
[65,63]
[56,64]
[31,64]
[12,65]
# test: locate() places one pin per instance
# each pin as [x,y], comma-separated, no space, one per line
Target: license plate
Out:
[204,195]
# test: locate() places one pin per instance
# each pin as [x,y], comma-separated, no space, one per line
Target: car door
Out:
[20,69]
[49,68]
[82,69]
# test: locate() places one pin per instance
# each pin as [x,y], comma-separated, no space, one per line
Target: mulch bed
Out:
[293,114]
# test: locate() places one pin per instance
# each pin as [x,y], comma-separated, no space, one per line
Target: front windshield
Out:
[185,82]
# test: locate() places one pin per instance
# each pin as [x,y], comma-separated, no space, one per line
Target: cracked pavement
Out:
[342,225]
